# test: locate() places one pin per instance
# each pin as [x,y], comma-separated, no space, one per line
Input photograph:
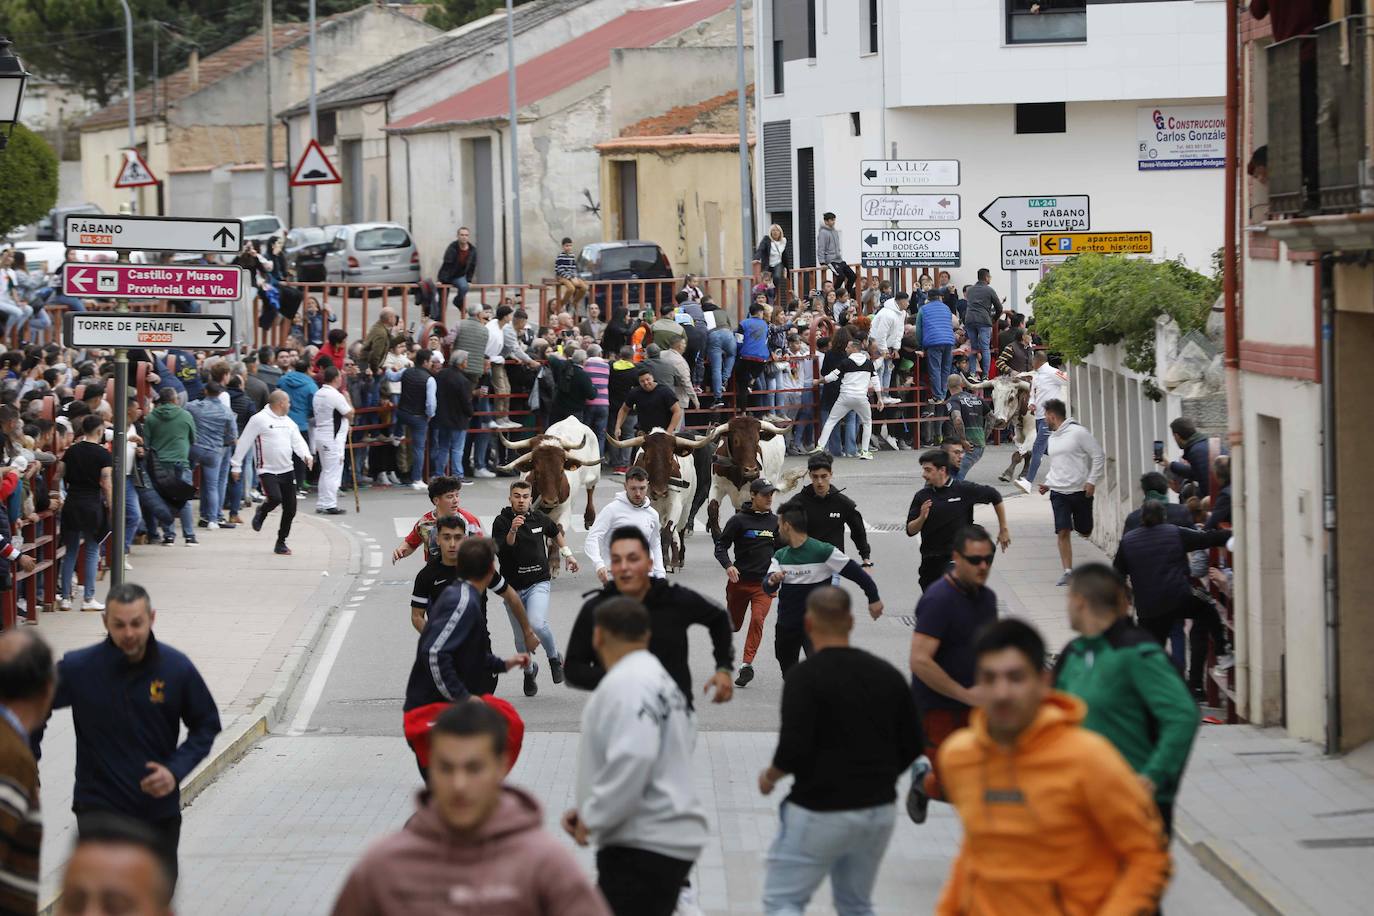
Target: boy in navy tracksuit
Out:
[129,696]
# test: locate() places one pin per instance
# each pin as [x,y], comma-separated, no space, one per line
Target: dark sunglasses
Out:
[983,559]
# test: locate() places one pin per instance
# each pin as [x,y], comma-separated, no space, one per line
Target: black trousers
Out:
[788,644]
[844,276]
[636,882]
[1159,627]
[281,491]
[932,568]
[747,372]
[1207,626]
[168,832]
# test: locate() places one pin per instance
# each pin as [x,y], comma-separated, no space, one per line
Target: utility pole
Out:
[745,195]
[269,174]
[314,120]
[514,143]
[129,75]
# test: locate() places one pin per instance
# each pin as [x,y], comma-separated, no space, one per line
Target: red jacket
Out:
[511,866]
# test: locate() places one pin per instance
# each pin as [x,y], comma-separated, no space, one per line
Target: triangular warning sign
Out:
[135,172]
[314,167]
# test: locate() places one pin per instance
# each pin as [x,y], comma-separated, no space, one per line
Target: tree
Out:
[449,14]
[1095,299]
[29,188]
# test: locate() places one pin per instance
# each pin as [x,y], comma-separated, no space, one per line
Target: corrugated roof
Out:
[565,65]
[215,67]
[383,80]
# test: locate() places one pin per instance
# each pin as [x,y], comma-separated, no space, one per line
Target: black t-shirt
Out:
[654,409]
[971,409]
[951,509]
[954,616]
[526,562]
[431,581]
[84,462]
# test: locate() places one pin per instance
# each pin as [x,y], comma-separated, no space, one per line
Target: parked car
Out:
[626,260]
[50,227]
[259,227]
[378,253]
[46,257]
[305,249]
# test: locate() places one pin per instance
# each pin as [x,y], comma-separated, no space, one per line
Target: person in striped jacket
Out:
[27,685]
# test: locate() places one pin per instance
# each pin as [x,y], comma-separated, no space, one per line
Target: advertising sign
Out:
[1181,137]
[909,247]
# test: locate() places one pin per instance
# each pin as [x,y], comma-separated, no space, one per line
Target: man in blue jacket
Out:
[935,337]
[129,696]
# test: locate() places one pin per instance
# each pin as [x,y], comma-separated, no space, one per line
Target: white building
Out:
[1057,102]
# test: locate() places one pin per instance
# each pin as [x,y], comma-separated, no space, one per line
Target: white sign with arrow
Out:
[1061,213]
[109,330]
[909,247]
[915,208]
[153,233]
[909,173]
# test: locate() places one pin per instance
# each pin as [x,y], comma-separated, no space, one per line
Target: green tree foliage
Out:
[28,179]
[449,14]
[1094,299]
[79,44]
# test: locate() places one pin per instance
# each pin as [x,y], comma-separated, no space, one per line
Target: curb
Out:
[1251,890]
[246,730]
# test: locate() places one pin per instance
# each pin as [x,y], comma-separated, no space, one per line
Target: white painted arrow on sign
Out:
[79,279]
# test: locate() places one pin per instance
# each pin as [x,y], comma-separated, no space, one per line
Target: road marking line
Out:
[403,525]
[369,581]
[374,558]
[321,675]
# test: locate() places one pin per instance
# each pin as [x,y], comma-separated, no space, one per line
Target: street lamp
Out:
[13,77]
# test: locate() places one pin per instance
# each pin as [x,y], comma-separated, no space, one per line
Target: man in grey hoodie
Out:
[829,253]
[1077,463]
[635,793]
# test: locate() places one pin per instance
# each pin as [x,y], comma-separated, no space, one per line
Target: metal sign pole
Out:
[1013,291]
[118,488]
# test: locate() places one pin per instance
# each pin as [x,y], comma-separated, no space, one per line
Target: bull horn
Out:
[1023,386]
[982,385]
[678,483]
[691,443]
[571,447]
[572,464]
[517,463]
[520,446]
[636,442]
[774,428]
[719,431]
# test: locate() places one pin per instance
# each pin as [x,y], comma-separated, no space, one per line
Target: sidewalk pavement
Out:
[246,617]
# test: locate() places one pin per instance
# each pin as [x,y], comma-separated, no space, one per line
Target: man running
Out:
[1136,700]
[441,572]
[1023,755]
[522,535]
[274,438]
[1047,384]
[942,507]
[948,618]
[1077,463]
[630,507]
[332,414]
[753,533]
[802,564]
[444,494]
[829,512]
[672,610]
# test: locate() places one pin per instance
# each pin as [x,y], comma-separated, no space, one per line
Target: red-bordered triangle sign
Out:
[135,172]
[314,167]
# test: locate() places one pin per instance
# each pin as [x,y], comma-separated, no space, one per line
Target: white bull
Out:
[1011,410]
[559,462]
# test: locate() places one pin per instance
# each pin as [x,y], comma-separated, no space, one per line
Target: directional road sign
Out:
[1021,252]
[153,233]
[909,247]
[909,173]
[114,329]
[147,281]
[1099,242]
[1050,213]
[915,208]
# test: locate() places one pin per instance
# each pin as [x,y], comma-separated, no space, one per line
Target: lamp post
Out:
[13,79]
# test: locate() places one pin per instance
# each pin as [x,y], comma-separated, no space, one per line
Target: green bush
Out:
[1095,299]
[28,179]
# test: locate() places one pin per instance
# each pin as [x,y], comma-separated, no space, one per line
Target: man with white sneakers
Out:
[274,437]
[332,414]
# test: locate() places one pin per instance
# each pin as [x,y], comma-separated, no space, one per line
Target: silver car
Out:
[376,253]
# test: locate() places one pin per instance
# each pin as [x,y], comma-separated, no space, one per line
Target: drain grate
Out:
[889,527]
[1343,842]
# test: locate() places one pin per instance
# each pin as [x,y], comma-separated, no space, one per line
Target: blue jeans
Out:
[133,513]
[980,336]
[40,321]
[720,353]
[481,442]
[222,487]
[157,516]
[209,459]
[51,295]
[90,556]
[536,601]
[597,416]
[971,457]
[939,362]
[848,846]
[1042,441]
[448,456]
[460,294]
[418,427]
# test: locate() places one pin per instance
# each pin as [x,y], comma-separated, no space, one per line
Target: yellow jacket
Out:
[1058,825]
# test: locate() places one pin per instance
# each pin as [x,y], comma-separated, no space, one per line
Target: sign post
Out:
[1069,243]
[910,248]
[1021,252]
[146,281]
[156,330]
[153,233]
[923,208]
[1048,213]
[909,173]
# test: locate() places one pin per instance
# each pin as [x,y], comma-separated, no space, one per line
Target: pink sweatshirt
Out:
[510,866]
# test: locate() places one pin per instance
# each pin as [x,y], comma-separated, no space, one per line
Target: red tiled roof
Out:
[685,119]
[565,65]
[728,143]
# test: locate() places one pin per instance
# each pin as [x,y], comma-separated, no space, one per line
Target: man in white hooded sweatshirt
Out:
[886,332]
[628,508]
[1076,466]
[330,434]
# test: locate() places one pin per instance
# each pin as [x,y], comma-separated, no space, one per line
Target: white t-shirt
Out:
[1048,384]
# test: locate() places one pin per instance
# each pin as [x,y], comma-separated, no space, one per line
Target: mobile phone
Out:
[1159,450]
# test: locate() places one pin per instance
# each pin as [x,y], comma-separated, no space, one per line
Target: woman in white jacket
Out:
[856,376]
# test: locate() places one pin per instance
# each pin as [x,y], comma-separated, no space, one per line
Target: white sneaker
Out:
[687,903]
[866,456]
[213,526]
[484,473]
[419,485]
[891,400]
[64,604]
[1023,483]
[128,567]
[1225,662]
[509,424]
[90,604]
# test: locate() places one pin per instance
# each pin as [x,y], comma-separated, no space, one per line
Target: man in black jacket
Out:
[414,408]
[829,511]
[1197,460]
[672,609]
[458,267]
[452,415]
[941,508]
[1156,487]
[753,533]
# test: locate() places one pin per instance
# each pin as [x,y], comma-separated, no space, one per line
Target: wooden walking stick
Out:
[353,466]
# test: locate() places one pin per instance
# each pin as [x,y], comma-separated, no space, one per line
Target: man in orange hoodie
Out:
[1054,819]
[474,844]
